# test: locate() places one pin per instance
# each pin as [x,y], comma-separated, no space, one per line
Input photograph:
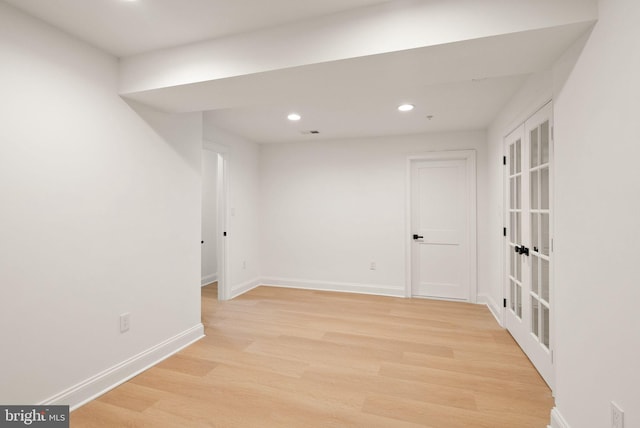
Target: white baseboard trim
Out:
[380,290]
[557,421]
[95,386]
[244,287]
[206,280]
[493,307]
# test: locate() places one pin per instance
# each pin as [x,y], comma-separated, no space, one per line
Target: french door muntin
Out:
[528,248]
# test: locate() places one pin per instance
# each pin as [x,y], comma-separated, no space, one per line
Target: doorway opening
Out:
[214,222]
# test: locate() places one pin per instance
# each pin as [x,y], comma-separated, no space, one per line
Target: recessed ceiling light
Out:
[294,117]
[406,107]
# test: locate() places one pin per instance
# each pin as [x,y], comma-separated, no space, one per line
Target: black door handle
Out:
[521,249]
[518,249]
[417,237]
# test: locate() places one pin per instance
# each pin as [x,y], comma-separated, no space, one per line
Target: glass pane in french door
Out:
[515,226]
[539,229]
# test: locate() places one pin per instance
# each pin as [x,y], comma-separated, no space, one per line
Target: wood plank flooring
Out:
[278,357]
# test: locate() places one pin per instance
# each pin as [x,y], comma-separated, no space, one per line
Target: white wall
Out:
[209,266]
[244,264]
[597,337]
[597,224]
[100,215]
[328,209]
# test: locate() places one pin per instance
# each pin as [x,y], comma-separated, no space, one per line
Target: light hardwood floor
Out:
[278,357]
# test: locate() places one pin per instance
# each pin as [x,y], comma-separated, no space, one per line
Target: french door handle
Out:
[417,237]
[518,249]
[521,249]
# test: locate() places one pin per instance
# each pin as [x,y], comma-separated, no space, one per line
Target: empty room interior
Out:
[367,213]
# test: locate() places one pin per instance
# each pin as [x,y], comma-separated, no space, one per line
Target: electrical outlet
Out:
[373,266]
[617,416]
[125,322]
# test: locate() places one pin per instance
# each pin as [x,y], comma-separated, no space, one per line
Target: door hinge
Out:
[224,234]
[504,231]
[504,160]
[504,303]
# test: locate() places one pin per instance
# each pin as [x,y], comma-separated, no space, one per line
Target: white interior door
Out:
[443,227]
[528,244]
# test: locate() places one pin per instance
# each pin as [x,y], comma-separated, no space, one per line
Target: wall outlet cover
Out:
[617,416]
[125,322]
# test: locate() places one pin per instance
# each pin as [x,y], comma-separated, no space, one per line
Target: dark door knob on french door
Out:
[417,237]
[521,249]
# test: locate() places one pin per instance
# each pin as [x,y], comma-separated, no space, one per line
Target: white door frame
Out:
[470,157]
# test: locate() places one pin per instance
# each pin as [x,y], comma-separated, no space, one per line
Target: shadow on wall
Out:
[170,127]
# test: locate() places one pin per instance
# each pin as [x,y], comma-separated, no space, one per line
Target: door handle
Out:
[517,248]
[417,237]
[521,250]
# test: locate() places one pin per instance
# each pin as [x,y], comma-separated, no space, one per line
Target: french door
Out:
[529,164]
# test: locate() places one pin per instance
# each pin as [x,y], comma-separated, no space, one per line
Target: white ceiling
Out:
[463,85]
[123,27]
[454,107]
